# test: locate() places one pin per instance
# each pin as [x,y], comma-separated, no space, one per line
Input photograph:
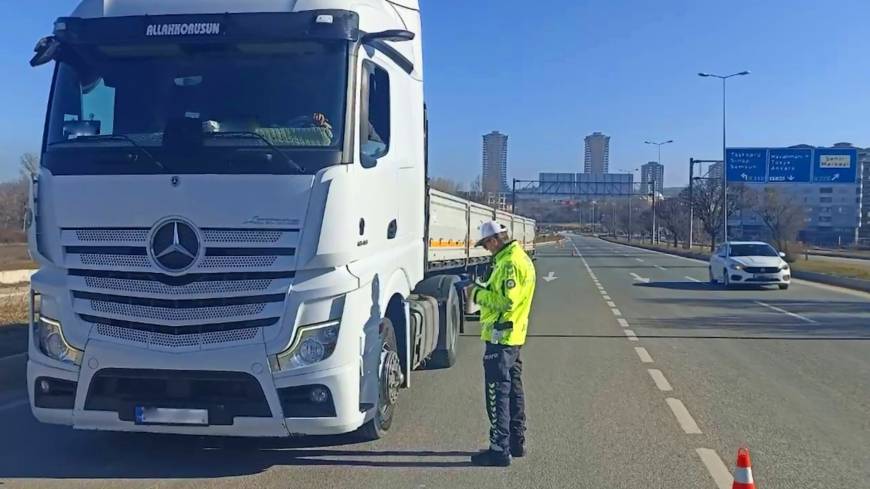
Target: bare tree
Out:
[782,214]
[673,215]
[445,185]
[707,204]
[29,165]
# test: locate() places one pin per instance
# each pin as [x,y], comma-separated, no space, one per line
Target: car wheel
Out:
[713,280]
[726,280]
[783,286]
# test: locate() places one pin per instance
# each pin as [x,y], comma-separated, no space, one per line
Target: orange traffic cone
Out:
[743,472]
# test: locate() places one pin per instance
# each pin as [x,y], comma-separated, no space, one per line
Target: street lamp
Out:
[724,162]
[655,233]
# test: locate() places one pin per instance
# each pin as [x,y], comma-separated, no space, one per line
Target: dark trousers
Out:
[505,400]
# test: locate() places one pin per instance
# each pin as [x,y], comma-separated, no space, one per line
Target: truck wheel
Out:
[451,324]
[389,382]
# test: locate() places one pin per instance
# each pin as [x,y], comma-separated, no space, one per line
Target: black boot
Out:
[491,458]
[518,450]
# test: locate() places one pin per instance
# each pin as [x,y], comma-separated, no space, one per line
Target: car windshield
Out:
[752,250]
[290,94]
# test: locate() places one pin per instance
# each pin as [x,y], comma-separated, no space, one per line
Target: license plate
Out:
[767,277]
[155,415]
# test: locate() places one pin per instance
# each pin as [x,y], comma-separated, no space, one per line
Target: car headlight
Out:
[50,340]
[312,344]
[736,266]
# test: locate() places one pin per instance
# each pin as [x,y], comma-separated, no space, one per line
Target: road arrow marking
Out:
[638,278]
[550,277]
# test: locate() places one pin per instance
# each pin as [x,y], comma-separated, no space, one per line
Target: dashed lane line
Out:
[779,309]
[616,312]
[639,260]
[611,304]
[687,423]
[660,380]
[717,469]
[693,279]
[605,296]
[661,267]
[630,335]
[643,354]
[622,322]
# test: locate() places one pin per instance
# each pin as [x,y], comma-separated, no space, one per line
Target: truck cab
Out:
[230,216]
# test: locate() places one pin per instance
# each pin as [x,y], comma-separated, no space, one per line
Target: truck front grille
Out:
[240,282]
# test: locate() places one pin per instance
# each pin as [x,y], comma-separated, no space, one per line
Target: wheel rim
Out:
[391,381]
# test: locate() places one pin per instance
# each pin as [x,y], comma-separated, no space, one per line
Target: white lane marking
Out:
[639,259]
[605,296]
[13,404]
[611,304]
[692,279]
[630,335]
[622,322]
[643,354]
[638,278]
[690,427]
[832,288]
[779,309]
[660,380]
[616,312]
[717,469]
[661,267]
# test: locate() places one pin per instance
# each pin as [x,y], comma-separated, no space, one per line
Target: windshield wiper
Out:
[253,135]
[119,137]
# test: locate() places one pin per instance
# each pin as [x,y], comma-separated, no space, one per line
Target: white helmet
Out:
[489,229]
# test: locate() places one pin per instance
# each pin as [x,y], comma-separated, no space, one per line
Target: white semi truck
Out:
[232,219]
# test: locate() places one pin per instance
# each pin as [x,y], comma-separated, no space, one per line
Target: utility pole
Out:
[514,197]
[654,237]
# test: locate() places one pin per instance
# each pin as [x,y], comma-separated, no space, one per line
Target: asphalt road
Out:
[656,389]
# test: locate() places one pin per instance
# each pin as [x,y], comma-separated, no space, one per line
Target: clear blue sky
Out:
[549,72]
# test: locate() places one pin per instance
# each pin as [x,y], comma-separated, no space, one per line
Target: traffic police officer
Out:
[505,301]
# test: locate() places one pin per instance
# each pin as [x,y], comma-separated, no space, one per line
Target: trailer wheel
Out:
[390,380]
[451,324]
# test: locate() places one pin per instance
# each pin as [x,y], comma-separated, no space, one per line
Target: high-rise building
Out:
[494,176]
[597,157]
[650,173]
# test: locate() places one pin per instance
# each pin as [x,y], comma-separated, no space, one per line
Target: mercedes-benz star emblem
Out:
[175,246]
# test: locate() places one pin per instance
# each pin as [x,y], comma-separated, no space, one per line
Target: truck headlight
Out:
[49,338]
[312,344]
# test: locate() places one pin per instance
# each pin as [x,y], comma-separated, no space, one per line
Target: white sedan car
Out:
[750,263]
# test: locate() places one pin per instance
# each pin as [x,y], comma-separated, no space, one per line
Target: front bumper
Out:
[250,360]
[743,277]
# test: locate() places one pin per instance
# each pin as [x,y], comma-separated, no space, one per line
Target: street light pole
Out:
[724,158]
[659,161]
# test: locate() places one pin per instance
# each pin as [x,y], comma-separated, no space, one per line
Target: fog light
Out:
[44,386]
[319,395]
[311,351]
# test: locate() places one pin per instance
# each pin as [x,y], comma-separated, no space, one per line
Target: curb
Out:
[846,283]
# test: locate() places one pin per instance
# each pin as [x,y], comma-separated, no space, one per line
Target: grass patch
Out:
[14,309]
[827,267]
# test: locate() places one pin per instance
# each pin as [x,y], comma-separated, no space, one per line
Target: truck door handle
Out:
[392,229]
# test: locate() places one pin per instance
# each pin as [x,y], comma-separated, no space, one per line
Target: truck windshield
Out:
[292,94]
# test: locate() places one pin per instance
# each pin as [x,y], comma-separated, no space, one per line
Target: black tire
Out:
[726,281]
[783,286]
[389,383]
[713,280]
[451,324]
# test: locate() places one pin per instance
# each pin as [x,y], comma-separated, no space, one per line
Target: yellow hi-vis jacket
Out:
[506,299]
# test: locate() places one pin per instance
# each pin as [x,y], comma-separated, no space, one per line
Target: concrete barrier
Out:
[11,277]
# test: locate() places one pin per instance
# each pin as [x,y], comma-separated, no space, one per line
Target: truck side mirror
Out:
[46,51]
[395,35]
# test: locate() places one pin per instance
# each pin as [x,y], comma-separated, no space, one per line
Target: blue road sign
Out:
[746,165]
[835,165]
[789,165]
